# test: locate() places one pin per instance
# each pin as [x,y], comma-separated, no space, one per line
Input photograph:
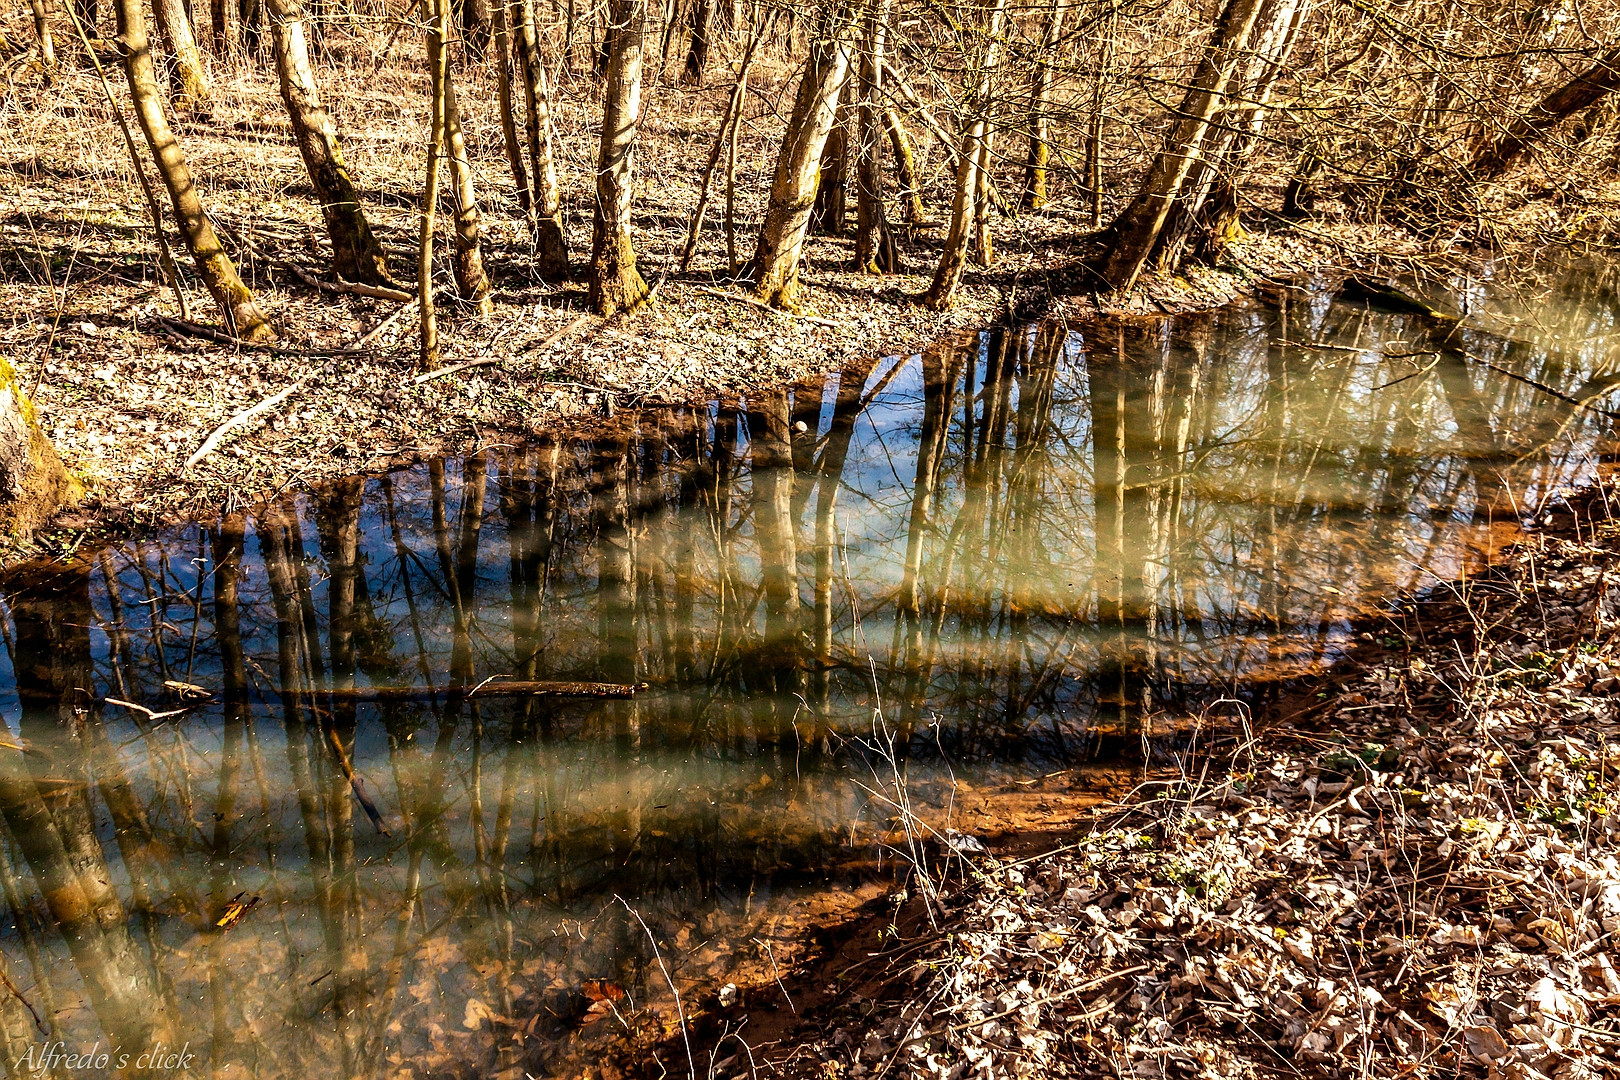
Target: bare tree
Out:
[875,250]
[616,284]
[971,156]
[793,190]
[242,314]
[551,248]
[356,253]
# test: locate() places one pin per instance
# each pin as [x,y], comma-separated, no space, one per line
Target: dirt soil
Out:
[1408,867]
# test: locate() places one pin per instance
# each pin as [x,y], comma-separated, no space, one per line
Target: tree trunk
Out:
[793,189]
[875,251]
[438,12]
[242,314]
[697,53]
[905,166]
[47,46]
[1205,216]
[33,481]
[964,202]
[1581,92]
[505,51]
[984,247]
[726,138]
[219,28]
[475,25]
[250,20]
[551,247]
[832,194]
[1040,121]
[191,88]
[1137,229]
[616,284]
[472,283]
[356,253]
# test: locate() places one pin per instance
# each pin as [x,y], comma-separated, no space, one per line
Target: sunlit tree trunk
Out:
[551,248]
[1040,106]
[356,253]
[47,44]
[191,88]
[793,189]
[242,314]
[875,251]
[1136,231]
[964,201]
[438,16]
[905,166]
[467,259]
[505,53]
[615,283]
[33,481]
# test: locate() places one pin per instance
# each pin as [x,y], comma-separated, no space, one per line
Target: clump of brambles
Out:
[1426,885]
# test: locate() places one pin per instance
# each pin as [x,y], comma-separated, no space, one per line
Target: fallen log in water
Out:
[500,688]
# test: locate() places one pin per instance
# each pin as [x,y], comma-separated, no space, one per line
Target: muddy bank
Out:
[1409,867]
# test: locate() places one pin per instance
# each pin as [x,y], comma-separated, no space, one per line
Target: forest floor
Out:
[127,400]
[1408,867]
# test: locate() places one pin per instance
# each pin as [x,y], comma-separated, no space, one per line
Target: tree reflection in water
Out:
[1015,547]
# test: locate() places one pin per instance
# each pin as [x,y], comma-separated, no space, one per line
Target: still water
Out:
[983,562]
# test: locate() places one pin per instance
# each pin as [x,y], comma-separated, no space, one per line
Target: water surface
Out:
[984,562]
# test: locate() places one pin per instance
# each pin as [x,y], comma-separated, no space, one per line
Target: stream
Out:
[1021,550]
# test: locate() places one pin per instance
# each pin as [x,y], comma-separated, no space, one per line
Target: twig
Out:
[749,300]
[680,1009]
[353,287]
[575,324]
[371,335]
[32,1011]
[150,714]
[485,689]
[208,333]
[209,444]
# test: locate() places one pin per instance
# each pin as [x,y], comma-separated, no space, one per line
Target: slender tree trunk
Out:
[472,283]
[1040,120]
[1205,216]
[697,53]
[551,248]
[984,247]
[964,202]
[33,481]
[831,209]
[505,51]
[242,314]
[875,251]
[793,189]
[191,88]
[438,56]
[219,28]
[47,45]
[250,18]
[727,137]
[616,284]
[1581,92]
[1137,230]
[905,165]
[356,253]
